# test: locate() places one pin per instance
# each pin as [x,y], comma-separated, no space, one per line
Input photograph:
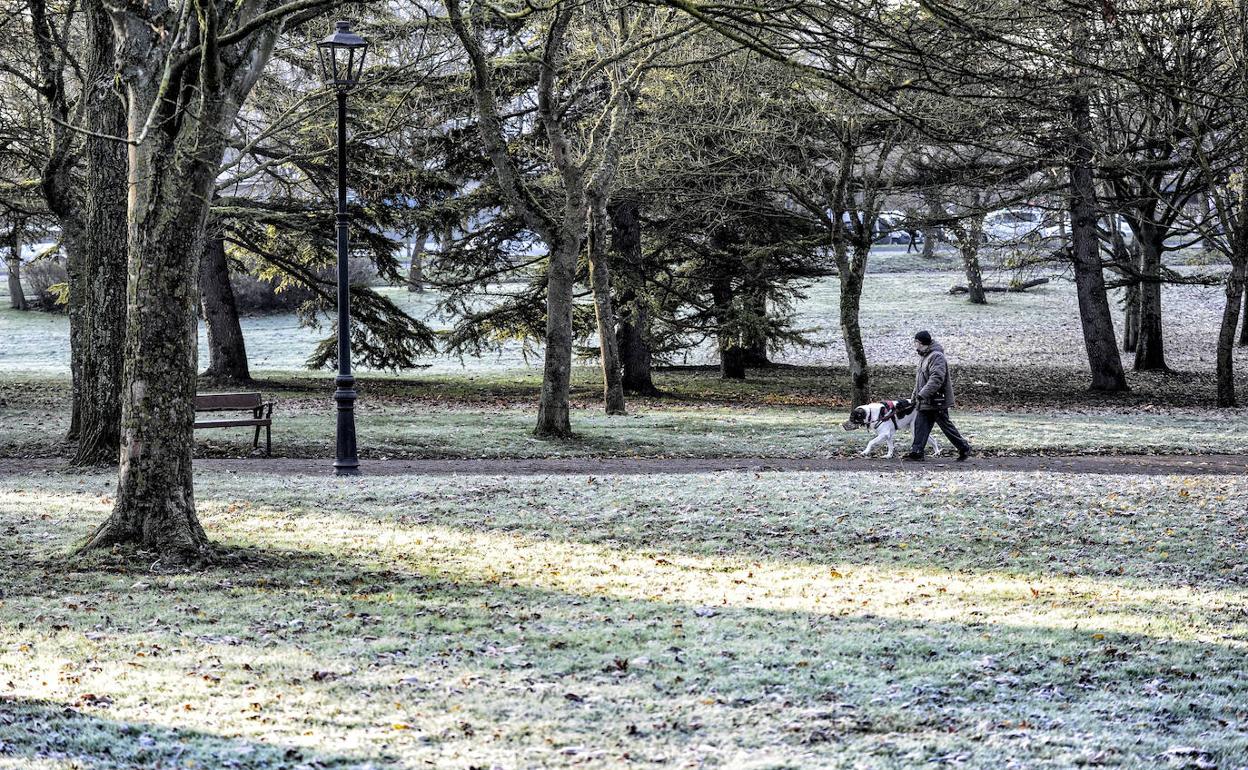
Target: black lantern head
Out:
[342,57]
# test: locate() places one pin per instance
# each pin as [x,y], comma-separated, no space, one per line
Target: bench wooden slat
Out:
[212,401]
[232,423]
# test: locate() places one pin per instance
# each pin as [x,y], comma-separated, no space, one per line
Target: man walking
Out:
[933,393]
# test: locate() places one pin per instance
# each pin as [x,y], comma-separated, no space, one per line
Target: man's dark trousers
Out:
[923,422]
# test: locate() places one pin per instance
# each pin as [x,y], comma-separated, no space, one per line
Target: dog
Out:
[886,418]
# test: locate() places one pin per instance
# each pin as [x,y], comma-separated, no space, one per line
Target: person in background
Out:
[933,394]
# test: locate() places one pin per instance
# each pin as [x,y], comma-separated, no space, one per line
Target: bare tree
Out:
[582,138]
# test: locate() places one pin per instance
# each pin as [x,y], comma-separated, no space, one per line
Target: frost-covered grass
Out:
[407,430]
[725,432]
[1039,328]
[726,620]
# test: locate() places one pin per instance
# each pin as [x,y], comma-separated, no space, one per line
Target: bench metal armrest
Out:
[264,411]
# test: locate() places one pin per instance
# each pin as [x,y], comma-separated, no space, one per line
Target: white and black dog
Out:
[885,418]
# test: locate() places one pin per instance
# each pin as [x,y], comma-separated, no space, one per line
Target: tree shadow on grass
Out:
[656,678]
[82,736]
[1154,532]
[653,677]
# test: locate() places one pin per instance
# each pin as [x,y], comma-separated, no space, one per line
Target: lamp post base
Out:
[348,461]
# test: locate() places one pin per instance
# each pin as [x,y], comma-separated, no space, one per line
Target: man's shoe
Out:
[963,454]
[913,456]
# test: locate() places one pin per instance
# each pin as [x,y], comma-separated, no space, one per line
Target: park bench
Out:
[261,414]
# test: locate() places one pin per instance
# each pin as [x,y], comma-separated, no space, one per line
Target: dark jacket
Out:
[933,384]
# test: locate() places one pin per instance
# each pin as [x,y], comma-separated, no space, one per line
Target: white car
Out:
[1009,226]
[1025,225]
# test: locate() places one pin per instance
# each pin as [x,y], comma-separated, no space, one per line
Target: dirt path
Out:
[1150,465]
[1120,464]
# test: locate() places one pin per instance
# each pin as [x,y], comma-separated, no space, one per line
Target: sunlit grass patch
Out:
[736,619]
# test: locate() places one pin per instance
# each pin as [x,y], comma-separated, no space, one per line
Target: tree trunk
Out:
[635,353]
[604,310]
[1094,312]
[155,505]
[1150,352]
[1131,318]
[97,261]
[731,353]
[552,412]
[633,332]
[851,332]
[1127,259]
[171,176]
[968,244]
[227,350]
[416,267]
[931,233]
[13,263]
[1243,332]
[1226,335]
[731,361]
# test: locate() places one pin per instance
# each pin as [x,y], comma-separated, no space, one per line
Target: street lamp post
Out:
[342,61]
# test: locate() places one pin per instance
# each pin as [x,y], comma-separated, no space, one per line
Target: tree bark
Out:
[13,264]
[604,310]
[851,331]
[97,261]
[171,177]
[1131,318]
[1243,332]
[731,353]
[173,164]
[633,332]
[1226,334]
[227,350]
[969,240]
[931,233]
[552,411]
[1094,311]
[635,356]
[416,267]
[1150,352]
[155,505]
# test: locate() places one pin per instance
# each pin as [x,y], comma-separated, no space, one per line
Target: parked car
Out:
[1008,226]
[1027,225]
[890,227]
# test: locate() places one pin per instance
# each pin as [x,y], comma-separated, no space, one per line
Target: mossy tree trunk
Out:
[1131,318]
[13,265]
[634,321]
[1243,331]
[155,503]
[604,308]
[553,419]
[970,233]
[97,262]
[416,263]
[227,349]
[180,108]
[851,332]
[1226,333]
[83,183]
[727,328]
[1095,317]
[1150,352]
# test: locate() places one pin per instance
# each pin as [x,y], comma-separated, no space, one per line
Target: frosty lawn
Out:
[740,619]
